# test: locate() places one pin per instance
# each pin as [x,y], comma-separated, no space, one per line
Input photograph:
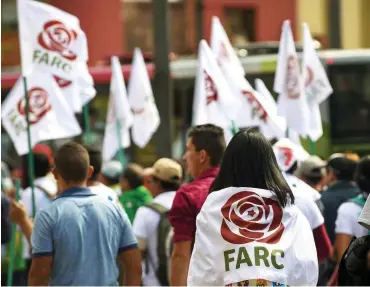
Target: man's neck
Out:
[203,169]
[70,185]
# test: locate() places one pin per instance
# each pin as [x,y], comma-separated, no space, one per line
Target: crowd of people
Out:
[253,213]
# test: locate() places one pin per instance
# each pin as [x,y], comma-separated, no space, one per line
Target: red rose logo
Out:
[292,81]
[62,82]
[257,109]
[286,155]
[309,77]
[38,104]
[57,37]
[211,91]
[249,217]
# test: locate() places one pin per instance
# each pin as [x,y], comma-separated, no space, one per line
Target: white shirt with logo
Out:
[244,234]
[305,197]
[347,220]
[145,227]
[41,202]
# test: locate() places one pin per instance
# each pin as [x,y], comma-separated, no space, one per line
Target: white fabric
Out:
[317,85]
[228,214]
[255,109]
[118,111]
[305,199]
[287,153]
[141,99]
[292,103]
[55,44]
[104,191]
[364,218]
[41,201]
[50,116]
[145,227]
[347,220]
[214,102]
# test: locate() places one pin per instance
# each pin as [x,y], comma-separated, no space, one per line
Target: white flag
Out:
[317,85]
[253,239]
[49,114]
[262,89]
[233,71]
[214,102]
[292,103]
[118,111]
[140,95]
[52,41]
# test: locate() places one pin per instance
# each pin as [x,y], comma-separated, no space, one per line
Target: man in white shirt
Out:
[96,187]
[166,179]
[45,190]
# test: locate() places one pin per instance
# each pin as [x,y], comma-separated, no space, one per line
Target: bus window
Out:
[350,103]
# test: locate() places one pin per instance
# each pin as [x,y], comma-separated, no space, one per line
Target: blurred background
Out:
[116,27]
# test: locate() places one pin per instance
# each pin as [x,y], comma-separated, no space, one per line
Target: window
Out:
[350,102]
[240,25]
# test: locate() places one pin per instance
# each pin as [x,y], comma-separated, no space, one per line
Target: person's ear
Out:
[203,157]
[90,172]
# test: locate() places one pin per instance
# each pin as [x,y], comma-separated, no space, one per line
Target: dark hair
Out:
[362,175]
[96,160]
[72,162]
[249,161]
[313,179]
[293,168]
[41,164]
[209,138]
[134,175]
[110,181]
[168,186]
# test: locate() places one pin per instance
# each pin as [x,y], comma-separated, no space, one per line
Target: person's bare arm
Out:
[180,261]
[40,271]
[342,242]
[18,215]
[129,263]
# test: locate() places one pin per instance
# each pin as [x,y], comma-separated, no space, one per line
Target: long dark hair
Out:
[249,161]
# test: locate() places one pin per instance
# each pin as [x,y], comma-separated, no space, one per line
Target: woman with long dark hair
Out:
[249,232]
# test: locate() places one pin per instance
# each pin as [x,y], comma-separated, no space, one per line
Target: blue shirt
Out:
[84,233]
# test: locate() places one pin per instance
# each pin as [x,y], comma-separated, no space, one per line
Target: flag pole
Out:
[312,146]
[12,240]
[287,133]
[87,124]
[31,167]
[121,152]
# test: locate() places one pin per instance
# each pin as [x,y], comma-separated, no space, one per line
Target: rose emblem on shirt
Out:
[249,217]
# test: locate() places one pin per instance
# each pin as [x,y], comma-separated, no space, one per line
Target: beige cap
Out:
[311,167]
[167,170]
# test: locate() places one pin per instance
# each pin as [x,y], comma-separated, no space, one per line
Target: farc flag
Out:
[317,85]
[233,72]
[292,103]
[49,114]
[214,102]
[119,116]
[52,41]
[140,96]
[244,234]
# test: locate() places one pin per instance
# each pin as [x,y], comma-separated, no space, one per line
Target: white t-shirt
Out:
[145,227]
[41,201]
[347,220]
[305,197]
[364,218]
[104,191]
